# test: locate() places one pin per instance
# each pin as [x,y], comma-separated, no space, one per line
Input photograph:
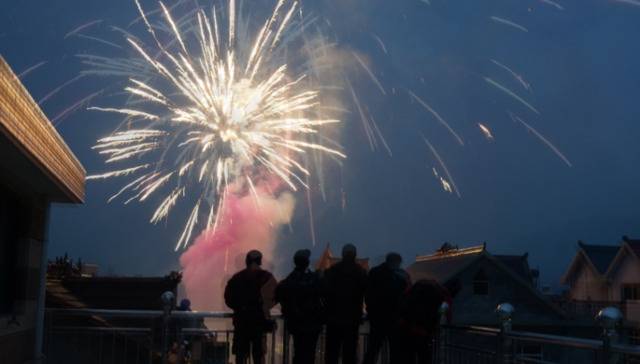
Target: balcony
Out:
[132,336]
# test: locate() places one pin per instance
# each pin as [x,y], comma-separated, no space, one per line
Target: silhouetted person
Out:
[419,320]
[452,288]
[344,285]
[387,284]
[299,296]
[250,294]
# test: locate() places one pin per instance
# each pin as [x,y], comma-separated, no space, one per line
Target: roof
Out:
[138,293]
[518,264]
[444,264]
[28,141]
[629,247]
[634,244]
[599,255]
[603,259]
[447,262]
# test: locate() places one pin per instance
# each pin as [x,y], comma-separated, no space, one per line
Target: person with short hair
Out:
[344,285]
[250,294]
[302,307]
[386,286]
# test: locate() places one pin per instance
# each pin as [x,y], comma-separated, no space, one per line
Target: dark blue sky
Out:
[517,195]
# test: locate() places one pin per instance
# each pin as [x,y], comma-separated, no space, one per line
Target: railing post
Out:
[609,318]
[504,312]
[285,343]
[168,300]
[441,356]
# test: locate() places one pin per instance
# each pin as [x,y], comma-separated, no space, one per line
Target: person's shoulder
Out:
[265,274]
[237,275]
[375,270]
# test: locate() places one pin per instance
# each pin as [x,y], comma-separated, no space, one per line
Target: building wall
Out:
[469,308]
[588,286]
[22,227]
[628,271]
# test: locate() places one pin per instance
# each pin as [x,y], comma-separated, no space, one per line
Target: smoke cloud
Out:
[246,221]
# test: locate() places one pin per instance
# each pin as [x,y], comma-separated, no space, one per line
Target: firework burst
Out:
[230,107]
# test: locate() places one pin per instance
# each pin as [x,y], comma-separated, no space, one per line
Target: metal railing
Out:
[157,337]
[505,345]
[97,336]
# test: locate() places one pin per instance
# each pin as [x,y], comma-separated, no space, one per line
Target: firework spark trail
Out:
[104,66]
[24,73]
[75,106]
[363,118]
[382,138]
[237,115]
[442,164]
[509,23]
[82,27]
[445,184]
[370,73]
[99,40]
[486,131]
[312,226]
[515,75]
[437,116]
[512,94]
[380,43]
[57,89]
[543,139]
[552,3]
[630,2]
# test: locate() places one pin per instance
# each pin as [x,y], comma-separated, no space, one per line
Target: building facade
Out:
[605,275]
[484,281]
[36,169]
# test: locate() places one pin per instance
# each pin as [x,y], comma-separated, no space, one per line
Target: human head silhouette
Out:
[253,257]
[301,258]
[393,260]
[349,252]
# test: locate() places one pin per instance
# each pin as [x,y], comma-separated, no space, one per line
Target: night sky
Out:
[517,195]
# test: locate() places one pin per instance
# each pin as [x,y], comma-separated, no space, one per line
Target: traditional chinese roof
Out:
[445,263]
[449,261]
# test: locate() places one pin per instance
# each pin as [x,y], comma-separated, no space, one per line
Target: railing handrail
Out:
[568,341]
[145,313]
[103,329]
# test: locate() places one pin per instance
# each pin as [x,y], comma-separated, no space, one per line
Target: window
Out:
[630,291]
[480,283]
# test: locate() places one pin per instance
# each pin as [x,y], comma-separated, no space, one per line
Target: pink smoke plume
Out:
[246,221]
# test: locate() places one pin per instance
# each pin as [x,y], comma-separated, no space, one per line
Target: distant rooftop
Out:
[600,255]
[449,260]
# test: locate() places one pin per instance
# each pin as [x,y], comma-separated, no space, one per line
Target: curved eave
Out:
[24,124]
